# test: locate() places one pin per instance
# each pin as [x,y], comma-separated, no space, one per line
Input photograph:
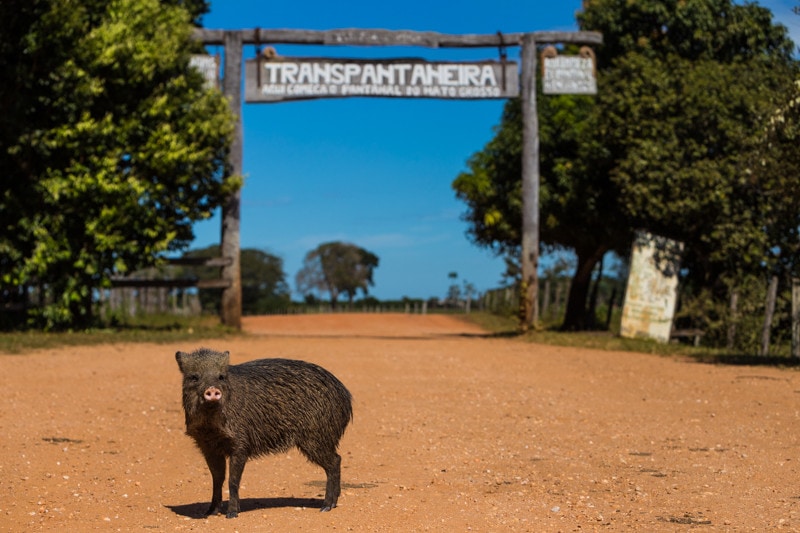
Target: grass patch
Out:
[604,340]
[159,329]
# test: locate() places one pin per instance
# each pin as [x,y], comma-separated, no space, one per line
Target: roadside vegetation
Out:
[157,329]
[507,326]
[164,329]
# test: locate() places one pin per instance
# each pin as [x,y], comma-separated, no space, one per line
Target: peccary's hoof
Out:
[214,509]
[231,514]
[327,508]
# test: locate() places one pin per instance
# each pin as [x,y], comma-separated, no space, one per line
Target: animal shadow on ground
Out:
[198,510]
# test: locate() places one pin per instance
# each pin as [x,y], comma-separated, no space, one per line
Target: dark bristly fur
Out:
[262,407]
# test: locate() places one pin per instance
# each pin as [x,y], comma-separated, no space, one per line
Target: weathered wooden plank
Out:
[529,293]
[201,261]
[180,283]
[769,313]
[379,37]
[796,318]
[230,244]
[299,78]
[213,284]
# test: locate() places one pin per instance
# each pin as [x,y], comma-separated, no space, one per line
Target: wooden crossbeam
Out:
[377,37]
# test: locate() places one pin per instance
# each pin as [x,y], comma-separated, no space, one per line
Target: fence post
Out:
[772,294]
[610,310]
[796,317]
[546,297]
[733,318]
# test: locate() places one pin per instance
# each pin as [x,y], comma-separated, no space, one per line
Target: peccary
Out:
[261,407]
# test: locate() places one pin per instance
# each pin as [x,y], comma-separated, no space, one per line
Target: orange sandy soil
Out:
[455,430]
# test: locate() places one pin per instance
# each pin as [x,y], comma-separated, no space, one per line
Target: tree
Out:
[687,87]
[337,268]
[264,286]
[577,210]
[777,164]
[453,291]
[195,8]
[110,147]
[684,87]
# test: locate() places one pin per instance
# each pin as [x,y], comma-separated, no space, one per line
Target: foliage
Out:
[577,209]
[264,286]
[195,8]
[110,148]
[499,326]
[776,170]
[667,145]
[337,268]
[687,86]
[148,329]
[683,129]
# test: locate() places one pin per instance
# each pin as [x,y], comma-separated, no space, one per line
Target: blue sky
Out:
[377,172]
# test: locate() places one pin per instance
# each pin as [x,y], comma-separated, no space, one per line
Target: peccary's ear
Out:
[179,358]
[226,357]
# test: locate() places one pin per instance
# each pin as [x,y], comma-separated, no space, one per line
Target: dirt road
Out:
[454,430]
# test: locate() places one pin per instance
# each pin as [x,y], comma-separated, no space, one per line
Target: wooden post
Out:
[546,297]
[772,294]
[529,305]
[734,318]
[610,311]
[231,305]
[233,40]
[796,317]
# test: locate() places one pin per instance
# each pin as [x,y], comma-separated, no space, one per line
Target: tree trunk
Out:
[575,316]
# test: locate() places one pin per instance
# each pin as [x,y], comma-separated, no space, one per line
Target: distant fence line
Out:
[552,299]
[133,301]
[759,318]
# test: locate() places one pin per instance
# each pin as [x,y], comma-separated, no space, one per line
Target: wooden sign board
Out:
[568,74]
[208,66]
[286,78]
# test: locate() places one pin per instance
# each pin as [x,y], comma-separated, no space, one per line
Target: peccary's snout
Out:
[212,394]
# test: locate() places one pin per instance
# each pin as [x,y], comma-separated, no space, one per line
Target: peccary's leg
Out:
[237,467]
[332,463]
[216,464]
[333,486]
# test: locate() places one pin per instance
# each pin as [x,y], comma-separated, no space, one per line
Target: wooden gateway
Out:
[270,78]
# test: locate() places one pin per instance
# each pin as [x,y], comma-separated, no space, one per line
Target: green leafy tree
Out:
[776,166]
[684,89]
[453,291]
[195,8]
[110,147]
[264,286]
[578,211]
[337,268]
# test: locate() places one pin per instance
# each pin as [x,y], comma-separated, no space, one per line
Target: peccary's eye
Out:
[222,377]
[194,378]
